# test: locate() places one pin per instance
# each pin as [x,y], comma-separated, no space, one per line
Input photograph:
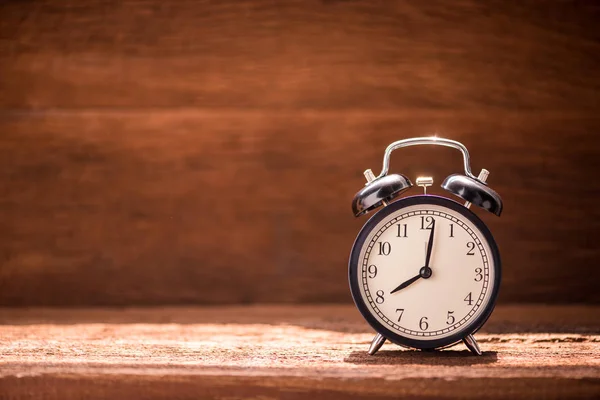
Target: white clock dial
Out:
[462,272]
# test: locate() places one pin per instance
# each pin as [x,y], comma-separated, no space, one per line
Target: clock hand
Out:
[405,284]
[430,245]
[425,272]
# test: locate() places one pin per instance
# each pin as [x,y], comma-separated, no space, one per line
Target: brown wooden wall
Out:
[207,151]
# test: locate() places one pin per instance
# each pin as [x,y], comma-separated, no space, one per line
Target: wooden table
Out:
[286,351]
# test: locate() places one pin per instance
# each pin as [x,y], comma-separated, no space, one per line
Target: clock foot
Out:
[376,344]
[472,345]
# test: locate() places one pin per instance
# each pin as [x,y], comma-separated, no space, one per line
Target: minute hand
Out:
[430,245]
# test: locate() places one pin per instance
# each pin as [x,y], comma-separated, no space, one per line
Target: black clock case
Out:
[353,264]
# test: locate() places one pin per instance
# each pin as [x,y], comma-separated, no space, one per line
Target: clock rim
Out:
[471,327]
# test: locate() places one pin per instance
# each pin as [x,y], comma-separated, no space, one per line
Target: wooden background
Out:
[159,152]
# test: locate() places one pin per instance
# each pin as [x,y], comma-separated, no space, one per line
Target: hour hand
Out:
[405,284]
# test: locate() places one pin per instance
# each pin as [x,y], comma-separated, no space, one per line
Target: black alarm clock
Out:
[425,271]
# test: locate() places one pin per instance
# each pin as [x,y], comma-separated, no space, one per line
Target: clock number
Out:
[379,299]
[451,230]
[423,324]
[471,246]
[469,299]
[428,220]
[401,230]
[450,318]
[372,271]
[384,248]
[401,311]
[478,274]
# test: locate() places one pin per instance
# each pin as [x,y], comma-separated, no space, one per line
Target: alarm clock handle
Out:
[473,189]
[431,140]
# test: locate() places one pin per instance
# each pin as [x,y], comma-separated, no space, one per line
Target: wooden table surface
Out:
[276,351]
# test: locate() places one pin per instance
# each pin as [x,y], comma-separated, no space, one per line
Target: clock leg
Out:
[376,344]
[472,345]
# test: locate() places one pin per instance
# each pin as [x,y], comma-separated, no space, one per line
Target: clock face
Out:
[419,299]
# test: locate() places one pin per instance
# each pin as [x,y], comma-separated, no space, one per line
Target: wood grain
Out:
[516,318]
[313,54]
[290,352]
[66,386]
[207,152]
[118,209]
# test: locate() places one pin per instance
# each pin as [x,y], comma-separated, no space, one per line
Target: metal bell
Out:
[380,190]
[474,191]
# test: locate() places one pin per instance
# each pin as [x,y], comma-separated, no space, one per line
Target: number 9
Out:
[372,271]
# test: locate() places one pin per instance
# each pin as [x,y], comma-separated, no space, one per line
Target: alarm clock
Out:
[424,270]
